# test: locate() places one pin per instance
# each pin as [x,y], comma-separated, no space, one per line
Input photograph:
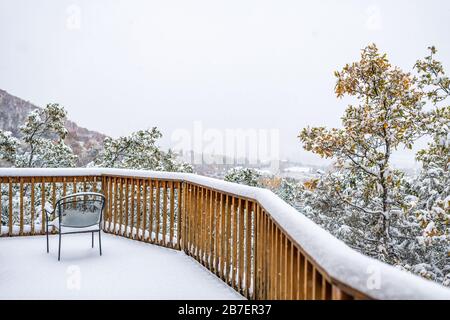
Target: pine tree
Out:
[431,188]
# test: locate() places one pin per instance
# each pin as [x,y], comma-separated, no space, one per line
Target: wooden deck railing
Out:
[233,235]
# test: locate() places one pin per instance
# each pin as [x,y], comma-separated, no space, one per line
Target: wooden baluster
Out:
[172,214]
[260,254]
[94,184]
[317,284]
[257,255]
[21,206]
[197,222]
[186,216]
[282,264]
[290,271]
[273,280]
[218,209]
[189,216]
[53,196]
[207,228]
[241,245]
[126,201]
[308,280]
[234,268]
[144,210]
[32,209]
[338,294]
[1,207]
[106,189]
[64,187]
[295,273]
[115,194]
[248,249]
[229,266]
[138,209]
[278,263]
[223,237]
[84,187]
[199,232]
[180,221]
[301,284]
[217,233]
[269,259]
[267,255]
[211,231]
[108,204]
[287,269]
[164,214]
[191,219]
[327,289]
[43,205]
[121,218]
[158,211]
[132,225]
[151,214]
[10,213]
[201,226]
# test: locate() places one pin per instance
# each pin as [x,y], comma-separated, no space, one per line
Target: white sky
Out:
[129,65]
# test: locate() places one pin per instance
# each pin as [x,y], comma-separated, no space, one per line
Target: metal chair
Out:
[77,213]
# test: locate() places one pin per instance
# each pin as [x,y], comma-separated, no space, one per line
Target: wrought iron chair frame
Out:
[63,201]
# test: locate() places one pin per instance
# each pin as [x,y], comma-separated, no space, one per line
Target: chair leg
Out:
[92,239]
[100,241]
[59,247]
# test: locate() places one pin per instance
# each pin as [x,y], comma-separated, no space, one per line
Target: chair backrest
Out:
[80,210]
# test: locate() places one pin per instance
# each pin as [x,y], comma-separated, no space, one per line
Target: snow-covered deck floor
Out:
[128,269]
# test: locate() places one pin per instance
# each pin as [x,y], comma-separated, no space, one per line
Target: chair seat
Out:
[64,229]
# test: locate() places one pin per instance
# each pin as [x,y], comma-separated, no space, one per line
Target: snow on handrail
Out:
[343,264]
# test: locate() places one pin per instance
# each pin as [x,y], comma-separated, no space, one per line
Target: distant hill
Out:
[85,143]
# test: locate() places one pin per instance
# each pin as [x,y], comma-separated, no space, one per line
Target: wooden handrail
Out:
[230,231]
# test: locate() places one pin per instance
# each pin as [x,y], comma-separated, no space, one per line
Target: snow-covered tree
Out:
[430,202]
[8,146]
[290,191]
[375,209]
[384,120]
[41,143]
[139,151]
[241,175]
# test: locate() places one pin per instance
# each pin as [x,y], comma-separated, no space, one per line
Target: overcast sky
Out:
[120,66]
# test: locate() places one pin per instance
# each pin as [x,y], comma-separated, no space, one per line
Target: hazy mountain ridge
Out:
[84,143]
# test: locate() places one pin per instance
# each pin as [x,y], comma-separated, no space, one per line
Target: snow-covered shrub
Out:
[241,175]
